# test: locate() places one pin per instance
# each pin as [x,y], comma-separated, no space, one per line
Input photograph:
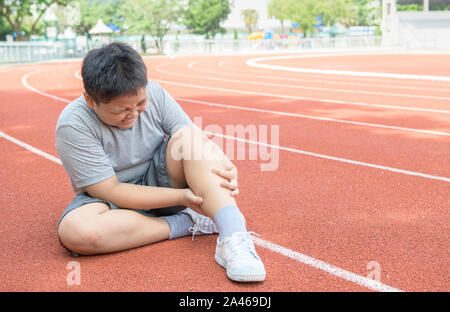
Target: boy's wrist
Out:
[180,196]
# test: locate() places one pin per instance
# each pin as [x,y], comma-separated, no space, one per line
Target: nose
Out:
[132,115]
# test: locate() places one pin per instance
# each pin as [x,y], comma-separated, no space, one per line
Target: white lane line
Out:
[30,148]
[312,117]
[284,96]
[222,64]
[255,63]
[315,263]
[294,150]
[78,75]
[259,83]
[307,116]
[306,98]
[318,264]
[363,281]
[321,81]
[25,83]
[339,159]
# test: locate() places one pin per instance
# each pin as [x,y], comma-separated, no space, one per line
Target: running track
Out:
[363,175]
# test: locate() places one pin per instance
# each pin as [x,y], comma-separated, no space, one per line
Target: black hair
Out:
[113,70]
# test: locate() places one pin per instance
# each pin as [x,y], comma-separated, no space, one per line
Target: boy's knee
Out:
[79,236]
[190,143]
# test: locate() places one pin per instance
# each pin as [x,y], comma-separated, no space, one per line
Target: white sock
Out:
[229,220]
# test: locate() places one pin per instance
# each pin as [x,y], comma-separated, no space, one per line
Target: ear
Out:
[89,100]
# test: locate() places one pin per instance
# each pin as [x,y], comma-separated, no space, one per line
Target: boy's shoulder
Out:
[76,114]
[153,87]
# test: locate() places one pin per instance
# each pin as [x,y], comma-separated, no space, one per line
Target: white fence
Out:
[22,52]
[185,47]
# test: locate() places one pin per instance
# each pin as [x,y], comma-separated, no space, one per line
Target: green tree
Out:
[279,10]
[92,10]
[250,19]
[204,17]
[25,14]
[154,17]
[339,11]
[5,28]
[305,13]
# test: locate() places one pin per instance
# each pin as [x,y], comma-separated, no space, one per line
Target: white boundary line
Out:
[306,116]
[336,271]
[344,160]
[255,63]
[321,81]
[30,148]
[352,277]
[312,117]
[294,150]
[305,98]
[259,83]
[315,263]
[291,97]
[318,264]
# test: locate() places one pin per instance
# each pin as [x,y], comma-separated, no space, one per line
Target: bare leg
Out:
[190,157]
[95,229]
[235,250]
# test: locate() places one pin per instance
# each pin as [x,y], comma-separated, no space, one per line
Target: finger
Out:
[223,173]
[229,165]
[197,200]
[230,185]
[235,193]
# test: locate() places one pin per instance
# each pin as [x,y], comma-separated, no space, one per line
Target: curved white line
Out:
[313,117]
[255,63]
[78,75]
[25,83]
[321,265]
[354,162]
[158,68]
[441,98]
[222,64]
[322,80]
[307,116]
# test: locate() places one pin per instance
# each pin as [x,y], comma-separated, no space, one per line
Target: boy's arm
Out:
[126,195]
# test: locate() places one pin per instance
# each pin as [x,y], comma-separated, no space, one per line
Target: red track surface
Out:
[344,214]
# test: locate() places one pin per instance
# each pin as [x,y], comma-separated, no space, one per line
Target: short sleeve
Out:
[172,115]
[82,156]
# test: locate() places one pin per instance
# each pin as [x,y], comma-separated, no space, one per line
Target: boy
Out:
[128,149]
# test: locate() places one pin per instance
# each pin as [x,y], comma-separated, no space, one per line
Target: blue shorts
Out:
[156,175]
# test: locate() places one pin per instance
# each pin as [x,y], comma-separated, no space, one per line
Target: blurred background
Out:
[39,30]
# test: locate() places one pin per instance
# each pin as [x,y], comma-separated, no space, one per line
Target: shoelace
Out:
[196,228]
[243,244]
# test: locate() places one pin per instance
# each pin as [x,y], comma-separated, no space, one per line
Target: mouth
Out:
[129,121]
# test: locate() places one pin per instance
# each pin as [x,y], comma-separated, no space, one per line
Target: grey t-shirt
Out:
[91,151]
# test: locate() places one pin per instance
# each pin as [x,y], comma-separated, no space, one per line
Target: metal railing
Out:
[23,52]
[184,47]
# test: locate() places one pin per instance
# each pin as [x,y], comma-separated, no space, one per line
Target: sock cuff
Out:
[228,209]
[179,224]
[229,220]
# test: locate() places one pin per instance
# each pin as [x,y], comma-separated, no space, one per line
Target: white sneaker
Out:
[202,224]
[238,256]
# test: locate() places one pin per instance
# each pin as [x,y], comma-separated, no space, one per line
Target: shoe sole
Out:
[241,278]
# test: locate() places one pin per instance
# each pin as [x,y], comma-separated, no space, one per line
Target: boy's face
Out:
[121,112]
